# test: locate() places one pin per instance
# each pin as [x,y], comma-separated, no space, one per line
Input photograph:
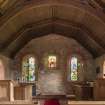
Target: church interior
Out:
[52,52]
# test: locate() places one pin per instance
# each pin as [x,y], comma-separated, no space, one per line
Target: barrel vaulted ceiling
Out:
[23,20]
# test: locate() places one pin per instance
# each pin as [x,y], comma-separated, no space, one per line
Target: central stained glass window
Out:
[52,60]
[28,69]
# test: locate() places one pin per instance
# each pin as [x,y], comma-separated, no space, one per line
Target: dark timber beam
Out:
[45,27]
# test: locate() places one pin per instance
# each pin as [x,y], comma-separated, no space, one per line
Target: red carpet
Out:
[52,102]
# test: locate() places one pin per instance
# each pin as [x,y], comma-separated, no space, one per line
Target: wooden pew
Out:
[23,91]
[6,90]
[99,89]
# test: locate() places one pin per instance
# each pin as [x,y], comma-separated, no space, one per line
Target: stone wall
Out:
[64,48]
[51,82]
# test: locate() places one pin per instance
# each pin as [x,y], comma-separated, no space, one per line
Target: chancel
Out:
[52,52]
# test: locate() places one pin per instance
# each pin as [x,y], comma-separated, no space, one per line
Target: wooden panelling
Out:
[99,89]
[6,90]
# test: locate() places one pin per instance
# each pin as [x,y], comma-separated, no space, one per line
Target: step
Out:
[17,102]
[86,102]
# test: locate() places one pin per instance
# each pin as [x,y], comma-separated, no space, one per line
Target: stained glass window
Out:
[104,70]
[74,69]
[28,69]
[52,60]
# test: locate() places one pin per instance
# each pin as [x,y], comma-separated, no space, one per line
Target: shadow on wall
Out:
[5,68]
[2,70]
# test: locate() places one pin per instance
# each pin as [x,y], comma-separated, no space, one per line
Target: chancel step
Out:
[86,102]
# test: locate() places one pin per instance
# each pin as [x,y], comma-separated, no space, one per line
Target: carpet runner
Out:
[52,102]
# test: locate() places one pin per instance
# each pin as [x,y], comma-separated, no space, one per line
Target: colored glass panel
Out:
[28,69]
[52,61]
[74,67]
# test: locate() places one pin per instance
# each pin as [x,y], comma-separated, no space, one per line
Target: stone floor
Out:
[62,103]
[19,102]
[86,102]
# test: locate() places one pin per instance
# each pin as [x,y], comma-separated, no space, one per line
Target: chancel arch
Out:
[61,49]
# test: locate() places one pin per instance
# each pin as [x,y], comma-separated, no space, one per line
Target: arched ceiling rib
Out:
[88,24]
[56,26]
